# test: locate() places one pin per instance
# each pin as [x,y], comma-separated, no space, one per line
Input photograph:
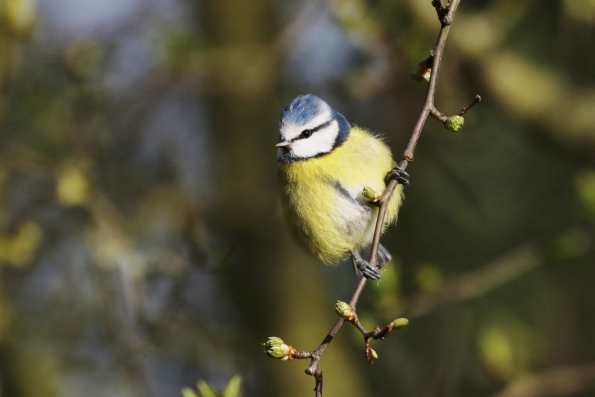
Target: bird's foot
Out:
[366,269]
[399,175]
[362,267]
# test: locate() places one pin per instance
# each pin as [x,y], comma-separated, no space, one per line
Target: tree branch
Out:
[445,15]
[407,158]
[428,106]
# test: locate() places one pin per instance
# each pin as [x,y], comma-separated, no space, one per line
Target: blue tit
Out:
[324,165]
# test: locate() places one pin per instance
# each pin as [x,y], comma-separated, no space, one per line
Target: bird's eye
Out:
[306,134]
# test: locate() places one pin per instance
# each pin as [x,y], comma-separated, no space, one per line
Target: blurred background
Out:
[140,244]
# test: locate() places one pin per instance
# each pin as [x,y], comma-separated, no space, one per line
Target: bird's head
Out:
[310,128]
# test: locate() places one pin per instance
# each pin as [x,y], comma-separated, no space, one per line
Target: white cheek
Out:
[320,142]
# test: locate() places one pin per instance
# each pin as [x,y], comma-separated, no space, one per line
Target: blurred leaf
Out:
[571,245]
[509,346]
[585,185]
[20,248]
[19,16]
[497,351]
[581,10]
[205,389]
[429,278]
[188,392]
[233,387]
[72,187]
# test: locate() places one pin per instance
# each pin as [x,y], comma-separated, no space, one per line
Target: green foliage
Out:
[232,389]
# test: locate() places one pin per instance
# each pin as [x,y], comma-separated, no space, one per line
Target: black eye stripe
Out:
[308,133]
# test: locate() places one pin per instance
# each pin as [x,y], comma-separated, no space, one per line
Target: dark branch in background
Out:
[478,282]
[563,381]
[275,347]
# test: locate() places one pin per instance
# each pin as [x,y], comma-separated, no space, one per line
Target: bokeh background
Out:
[140,244]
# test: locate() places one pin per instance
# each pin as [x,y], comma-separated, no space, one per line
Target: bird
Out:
[324,165]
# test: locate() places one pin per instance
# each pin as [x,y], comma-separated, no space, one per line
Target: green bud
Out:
[400,323]
[344,310]
[275,347]
[373,353]
[369,193]
[454,123]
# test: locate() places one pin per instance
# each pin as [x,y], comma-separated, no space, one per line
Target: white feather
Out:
[292,131]
[322,141]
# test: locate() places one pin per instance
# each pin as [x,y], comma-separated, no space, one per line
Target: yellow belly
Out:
[322,197]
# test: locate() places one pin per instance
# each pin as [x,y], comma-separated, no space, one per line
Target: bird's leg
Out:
[364,267]
[397,174]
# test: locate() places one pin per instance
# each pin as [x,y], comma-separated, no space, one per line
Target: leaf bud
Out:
[344,310]
[275,347]
[400,323]
[369,193]
[454,123]
[373,353]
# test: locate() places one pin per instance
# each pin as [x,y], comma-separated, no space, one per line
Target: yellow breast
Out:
[322,197]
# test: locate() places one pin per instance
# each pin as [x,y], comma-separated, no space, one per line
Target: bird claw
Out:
[399,175]
[368,271]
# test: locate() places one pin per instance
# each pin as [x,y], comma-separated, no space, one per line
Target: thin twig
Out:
[318,377]
[445,15]
[431,92]
[468,107]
